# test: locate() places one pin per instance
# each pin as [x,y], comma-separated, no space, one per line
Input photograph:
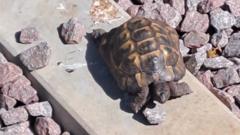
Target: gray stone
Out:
[40,109]
[229,32]
[207,5]
[73,31]
[226,77]
[155,115]
[36,57]
[3,60]
[195,21]
[205,48]
[236,60]
[195,62]
[195,39]
[219,39]
[237,22]
[2,110]
[20,90]
[183,49]
[192,4]
[7,102]
[28,131]
[217,63]
[46,126]
[15,115]
[234,6]
[232,49]
[9,72]
[179,5]
[17,129]
[235,36]
[169,15]
[205,78]
[28,35]
[221,19]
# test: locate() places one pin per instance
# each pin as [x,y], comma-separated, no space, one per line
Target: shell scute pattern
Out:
[134,45]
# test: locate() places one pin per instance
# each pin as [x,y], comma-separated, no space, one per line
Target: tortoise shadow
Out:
[99,71]
[103,77]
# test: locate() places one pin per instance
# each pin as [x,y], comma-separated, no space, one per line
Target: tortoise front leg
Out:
[140,99]
[161,91]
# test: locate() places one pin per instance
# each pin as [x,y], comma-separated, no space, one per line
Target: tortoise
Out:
[144,58]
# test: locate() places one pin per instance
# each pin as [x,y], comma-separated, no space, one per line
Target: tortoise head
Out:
[99,35]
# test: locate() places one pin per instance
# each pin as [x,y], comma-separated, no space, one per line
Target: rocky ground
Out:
[209,40]
[21,112]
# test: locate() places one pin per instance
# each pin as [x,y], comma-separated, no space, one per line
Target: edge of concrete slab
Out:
[71,120]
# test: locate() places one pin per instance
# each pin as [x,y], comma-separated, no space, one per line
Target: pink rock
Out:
[20,90]
[149,10]
[26,94]
[133,10]
[73,31]
[46,126]
[234,6]
[169,15]
[195,62]
[207,5]
[226,77]
[3,60]
[195,21]
[225,98]
[36,57]
[205,78]
[15,115]
[233,90]
[9,72]
[40,109]
[195,39]
[28,35]
[192,4]
[17,129]
[65,133]
[7,102]
[18,83]
[179,5]
[229,101]
[125,4]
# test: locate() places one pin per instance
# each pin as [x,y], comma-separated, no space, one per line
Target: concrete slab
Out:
[90,94]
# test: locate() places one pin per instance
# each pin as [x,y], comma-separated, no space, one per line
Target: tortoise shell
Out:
[141,51]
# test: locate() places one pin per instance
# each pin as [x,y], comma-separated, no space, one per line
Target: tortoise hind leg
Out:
[140,99]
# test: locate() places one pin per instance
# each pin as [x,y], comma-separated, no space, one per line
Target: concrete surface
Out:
[89,93]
